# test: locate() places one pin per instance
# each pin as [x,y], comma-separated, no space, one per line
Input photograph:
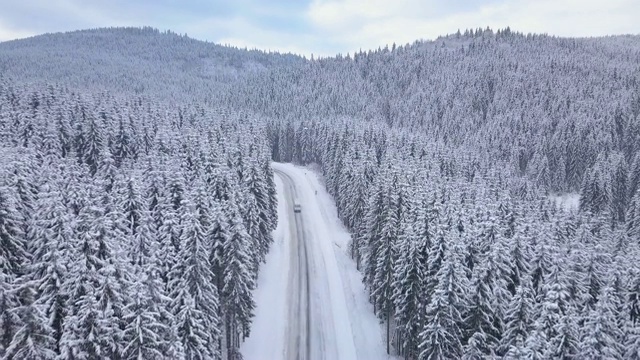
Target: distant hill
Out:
[547,105]
[133,60]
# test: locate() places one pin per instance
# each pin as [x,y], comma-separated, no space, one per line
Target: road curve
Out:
[298,337]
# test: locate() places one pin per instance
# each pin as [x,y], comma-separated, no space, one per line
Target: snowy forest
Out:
[137,199]
[129,230]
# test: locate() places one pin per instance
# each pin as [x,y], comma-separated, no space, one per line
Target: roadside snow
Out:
[267,331]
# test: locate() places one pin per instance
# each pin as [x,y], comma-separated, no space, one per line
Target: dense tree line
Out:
[128,229]
[144,60]
[546,105]
[463,259]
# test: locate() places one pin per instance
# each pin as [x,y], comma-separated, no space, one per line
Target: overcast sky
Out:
[321,27]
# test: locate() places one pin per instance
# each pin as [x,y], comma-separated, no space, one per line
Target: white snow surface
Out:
[342,322]
[567,201]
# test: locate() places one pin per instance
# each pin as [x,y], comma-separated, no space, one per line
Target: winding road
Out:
[298,289]
[311,304]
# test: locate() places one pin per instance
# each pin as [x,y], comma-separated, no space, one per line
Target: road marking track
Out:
[299,315]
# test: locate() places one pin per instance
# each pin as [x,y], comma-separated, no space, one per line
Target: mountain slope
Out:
[134,60]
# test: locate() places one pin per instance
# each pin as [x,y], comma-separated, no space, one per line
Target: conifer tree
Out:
[601,335]
[195,299]
[443,333]
[33,338]
[238,282]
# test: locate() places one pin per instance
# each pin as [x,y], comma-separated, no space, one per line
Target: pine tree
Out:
[238,302]
[86,329]
[554,322]
[91,328]
[518,320]
[520,254]
[12,237]
[619,181]
[168,238]
[601,335]
[131,206]
[633,299]
[33,339]
[9,301]
[13,258]
[481,321]
[633,219]
[122,144]
[271,194]
[51,257]
[93,144]
[408,283]
[192,329]
[632,343]
[634,177]
[192,289]
[387,255]
[442,335]
[217,237]
[373,234]
[257,188]
[150,333]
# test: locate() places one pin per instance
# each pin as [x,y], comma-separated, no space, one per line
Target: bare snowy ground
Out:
[341,320]
[568,201]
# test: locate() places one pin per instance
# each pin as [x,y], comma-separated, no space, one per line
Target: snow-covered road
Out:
[311,303]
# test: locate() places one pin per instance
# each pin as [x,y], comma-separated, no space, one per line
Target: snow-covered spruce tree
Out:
[441,337]
[356,208]
[518,321]
[633,219]
[408,282]
[601,335]
[256,186]
[26,190]
[90,330]
[271,194]
[93,143]
[633,176]
[33,338]
[247,206]
[150,331]
[387,253]
[12,237]
[131,207]
[619,182]
[482,325]
[168,238]
[555,317]
[436,251]
[51,256]
[217,237]
[373,234]
[238,281]
[520,253]
[195,299]
[13,258]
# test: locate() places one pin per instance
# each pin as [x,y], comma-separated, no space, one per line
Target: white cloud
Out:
[366,24]
[334,26]
[242,32]
[7,34]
